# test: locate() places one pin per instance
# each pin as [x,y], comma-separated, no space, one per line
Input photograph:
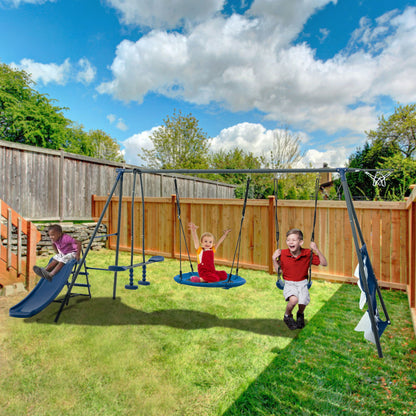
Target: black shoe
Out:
[47,275]
[300,320]
[290,322]
[38,271]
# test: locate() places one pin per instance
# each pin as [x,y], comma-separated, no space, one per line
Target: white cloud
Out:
[59,74]
[247,62]
[87,72]
[335,158]
[111,118]
[133,144]
[165,14]
[121,125]
[46,73]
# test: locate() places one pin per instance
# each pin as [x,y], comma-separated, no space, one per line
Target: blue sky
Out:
[246,69]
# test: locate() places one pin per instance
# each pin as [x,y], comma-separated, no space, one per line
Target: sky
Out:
[325,70]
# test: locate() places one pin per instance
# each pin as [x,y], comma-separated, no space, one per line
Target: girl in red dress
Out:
[205,250]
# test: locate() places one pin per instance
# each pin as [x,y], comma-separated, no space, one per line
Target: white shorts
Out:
[64,258]
[298,289]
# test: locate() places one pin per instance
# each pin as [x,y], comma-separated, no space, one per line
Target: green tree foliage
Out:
[399,129]
[391,146]
[370,156]
[28,117]
[95,143]
[104,146]
[239,159]
[178,144]
[25,115]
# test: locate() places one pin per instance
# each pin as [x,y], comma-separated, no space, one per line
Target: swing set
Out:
[368,282]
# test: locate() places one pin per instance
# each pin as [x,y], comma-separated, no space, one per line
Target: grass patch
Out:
[169,349]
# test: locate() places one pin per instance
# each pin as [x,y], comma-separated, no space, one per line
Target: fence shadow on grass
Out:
[107,312]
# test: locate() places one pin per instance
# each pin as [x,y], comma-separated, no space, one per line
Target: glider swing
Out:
[234,280]
[280,283]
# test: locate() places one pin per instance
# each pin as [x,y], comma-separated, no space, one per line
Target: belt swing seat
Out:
[234,280]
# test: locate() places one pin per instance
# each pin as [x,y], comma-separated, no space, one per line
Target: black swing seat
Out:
[185,279]
[280,284]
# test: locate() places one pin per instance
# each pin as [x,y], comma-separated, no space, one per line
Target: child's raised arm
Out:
[193,229]
[222,238]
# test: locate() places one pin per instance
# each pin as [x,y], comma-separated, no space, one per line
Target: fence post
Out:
[173,214]
[33,236]
[412,254]
[61,197]
[271,233]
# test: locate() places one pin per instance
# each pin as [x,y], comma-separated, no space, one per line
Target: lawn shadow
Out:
[316,372]
[108,312]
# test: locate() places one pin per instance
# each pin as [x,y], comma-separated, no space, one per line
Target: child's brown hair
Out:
[296,231]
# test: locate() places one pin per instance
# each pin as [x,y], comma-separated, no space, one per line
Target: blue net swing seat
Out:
[233,280]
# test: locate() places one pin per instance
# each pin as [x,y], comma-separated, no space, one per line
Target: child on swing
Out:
[205,250]
[294,264]
[66,248]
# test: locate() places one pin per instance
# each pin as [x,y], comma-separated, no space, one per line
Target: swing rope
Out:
[233,280]
[313,228]
[238,245]
[181,233]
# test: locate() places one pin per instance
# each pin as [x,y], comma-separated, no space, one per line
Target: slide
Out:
[43,294]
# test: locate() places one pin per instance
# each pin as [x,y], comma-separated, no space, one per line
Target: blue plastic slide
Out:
[43,294]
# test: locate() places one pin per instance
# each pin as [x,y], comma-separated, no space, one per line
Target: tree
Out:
[371,156]
[27,116]
[391,146]
[178,144]
[104,146]
[30,118]
[285,152]
[399,128]
[239,159]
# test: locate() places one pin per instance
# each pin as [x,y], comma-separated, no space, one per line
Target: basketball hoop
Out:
[379,178]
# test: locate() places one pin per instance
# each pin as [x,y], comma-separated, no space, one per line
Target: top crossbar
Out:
[249,171]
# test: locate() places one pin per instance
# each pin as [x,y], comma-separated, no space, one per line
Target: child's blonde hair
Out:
[207,235]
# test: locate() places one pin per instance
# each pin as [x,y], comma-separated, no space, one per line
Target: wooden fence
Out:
[389,230]
[385,227]
[17,267]
[49,185]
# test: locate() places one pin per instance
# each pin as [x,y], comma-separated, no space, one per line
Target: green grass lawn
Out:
[169,349]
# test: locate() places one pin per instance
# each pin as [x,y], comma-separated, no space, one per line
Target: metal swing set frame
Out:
[355,227]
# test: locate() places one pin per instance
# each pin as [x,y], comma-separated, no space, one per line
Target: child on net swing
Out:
[205,250]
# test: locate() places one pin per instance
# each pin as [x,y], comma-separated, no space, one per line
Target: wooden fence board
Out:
[50,185]
[382,229]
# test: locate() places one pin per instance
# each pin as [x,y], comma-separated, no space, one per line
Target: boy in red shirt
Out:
[294,263]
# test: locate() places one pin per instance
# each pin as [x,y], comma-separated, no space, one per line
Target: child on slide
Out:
[66,248]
